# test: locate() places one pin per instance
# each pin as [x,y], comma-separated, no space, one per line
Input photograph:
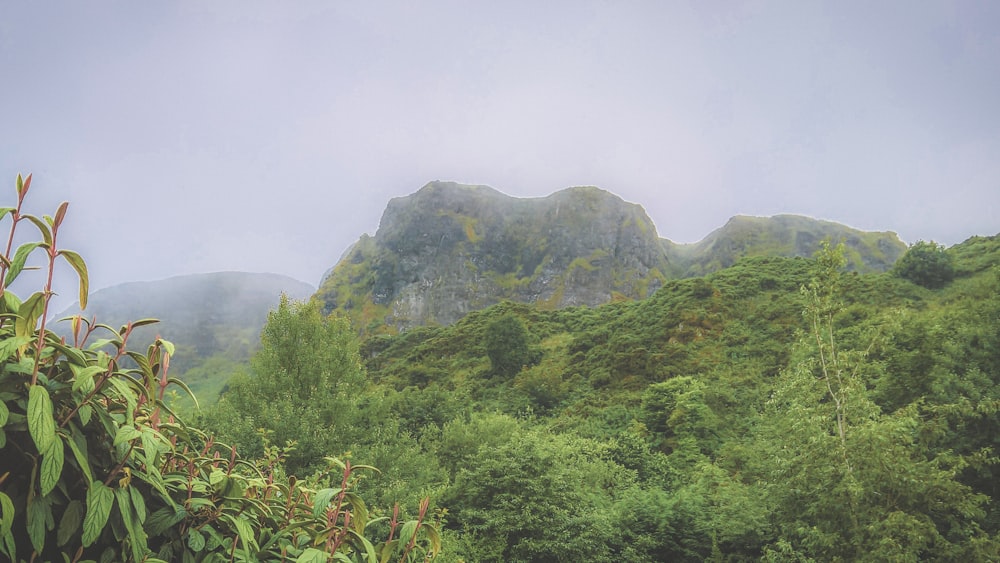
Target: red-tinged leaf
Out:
[27,184]
[57,219]
[80,266]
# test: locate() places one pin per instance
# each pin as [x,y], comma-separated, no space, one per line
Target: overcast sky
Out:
[268,136]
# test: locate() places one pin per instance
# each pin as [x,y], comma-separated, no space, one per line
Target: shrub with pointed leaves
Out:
[95,467]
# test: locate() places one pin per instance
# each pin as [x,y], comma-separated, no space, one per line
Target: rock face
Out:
[449,249]
[783,235]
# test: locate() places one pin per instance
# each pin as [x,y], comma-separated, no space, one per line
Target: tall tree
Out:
[847,481]
[300,388]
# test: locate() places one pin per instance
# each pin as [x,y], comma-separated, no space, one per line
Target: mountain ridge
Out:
[448,249]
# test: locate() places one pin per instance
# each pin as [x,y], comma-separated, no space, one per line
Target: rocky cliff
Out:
[449,249]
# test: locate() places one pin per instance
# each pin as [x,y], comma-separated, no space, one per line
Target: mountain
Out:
[204,315]
[449,249]
[783,235]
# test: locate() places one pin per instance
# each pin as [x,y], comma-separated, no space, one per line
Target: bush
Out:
[95,466]
[927,264]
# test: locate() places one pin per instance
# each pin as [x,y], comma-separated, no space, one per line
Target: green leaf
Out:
[126,434]
[27,316]
[136,535]
[99,501]
[52,465]
[5,210]
[80,266]
[312,555]
[11,302]
[41,425]
[71,519]
[38,512]
[167,345]
[84,377]
[79,451]
[6,514]
[138,504]
[195,540]
[42,228]
[20,257]
[164,519]
[4,414]
[84,414]
[74,355]
[322,498]
[10,345]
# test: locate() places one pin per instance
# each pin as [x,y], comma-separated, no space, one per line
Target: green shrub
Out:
[94,466]
[927,264]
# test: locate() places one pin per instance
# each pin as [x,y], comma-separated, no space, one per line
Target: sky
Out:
[197,136]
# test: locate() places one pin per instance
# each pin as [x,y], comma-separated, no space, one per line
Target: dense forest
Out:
[780,409]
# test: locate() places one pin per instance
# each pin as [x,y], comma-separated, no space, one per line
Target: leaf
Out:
[80,451]
[6,514]
[20,257]
[164,519]
[99,501]
[41,425]
[11,302]
[136,535]
[42,228]
[27,316]
[4,414]
[71,519]
[167,345]
[195,540]
[38,512]
[312,555]
[80,266]
[10,345]
[52,465]
[84,378]
[322,499]
[138,503]
[5,210]
[126,434]
[57,219]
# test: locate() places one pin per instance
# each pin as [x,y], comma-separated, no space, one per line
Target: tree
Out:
[848,481]
[507,346]
[302,387]
[927,264]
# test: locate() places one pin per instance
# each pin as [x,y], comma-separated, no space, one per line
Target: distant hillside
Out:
[783,235]
[450,249]
[204,315]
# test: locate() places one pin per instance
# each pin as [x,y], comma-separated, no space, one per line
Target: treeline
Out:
[777,410]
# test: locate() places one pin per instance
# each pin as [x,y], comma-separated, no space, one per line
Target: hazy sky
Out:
[268,136]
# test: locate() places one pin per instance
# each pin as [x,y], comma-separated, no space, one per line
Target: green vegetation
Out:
[927,264]
[94,466]
[779,409]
